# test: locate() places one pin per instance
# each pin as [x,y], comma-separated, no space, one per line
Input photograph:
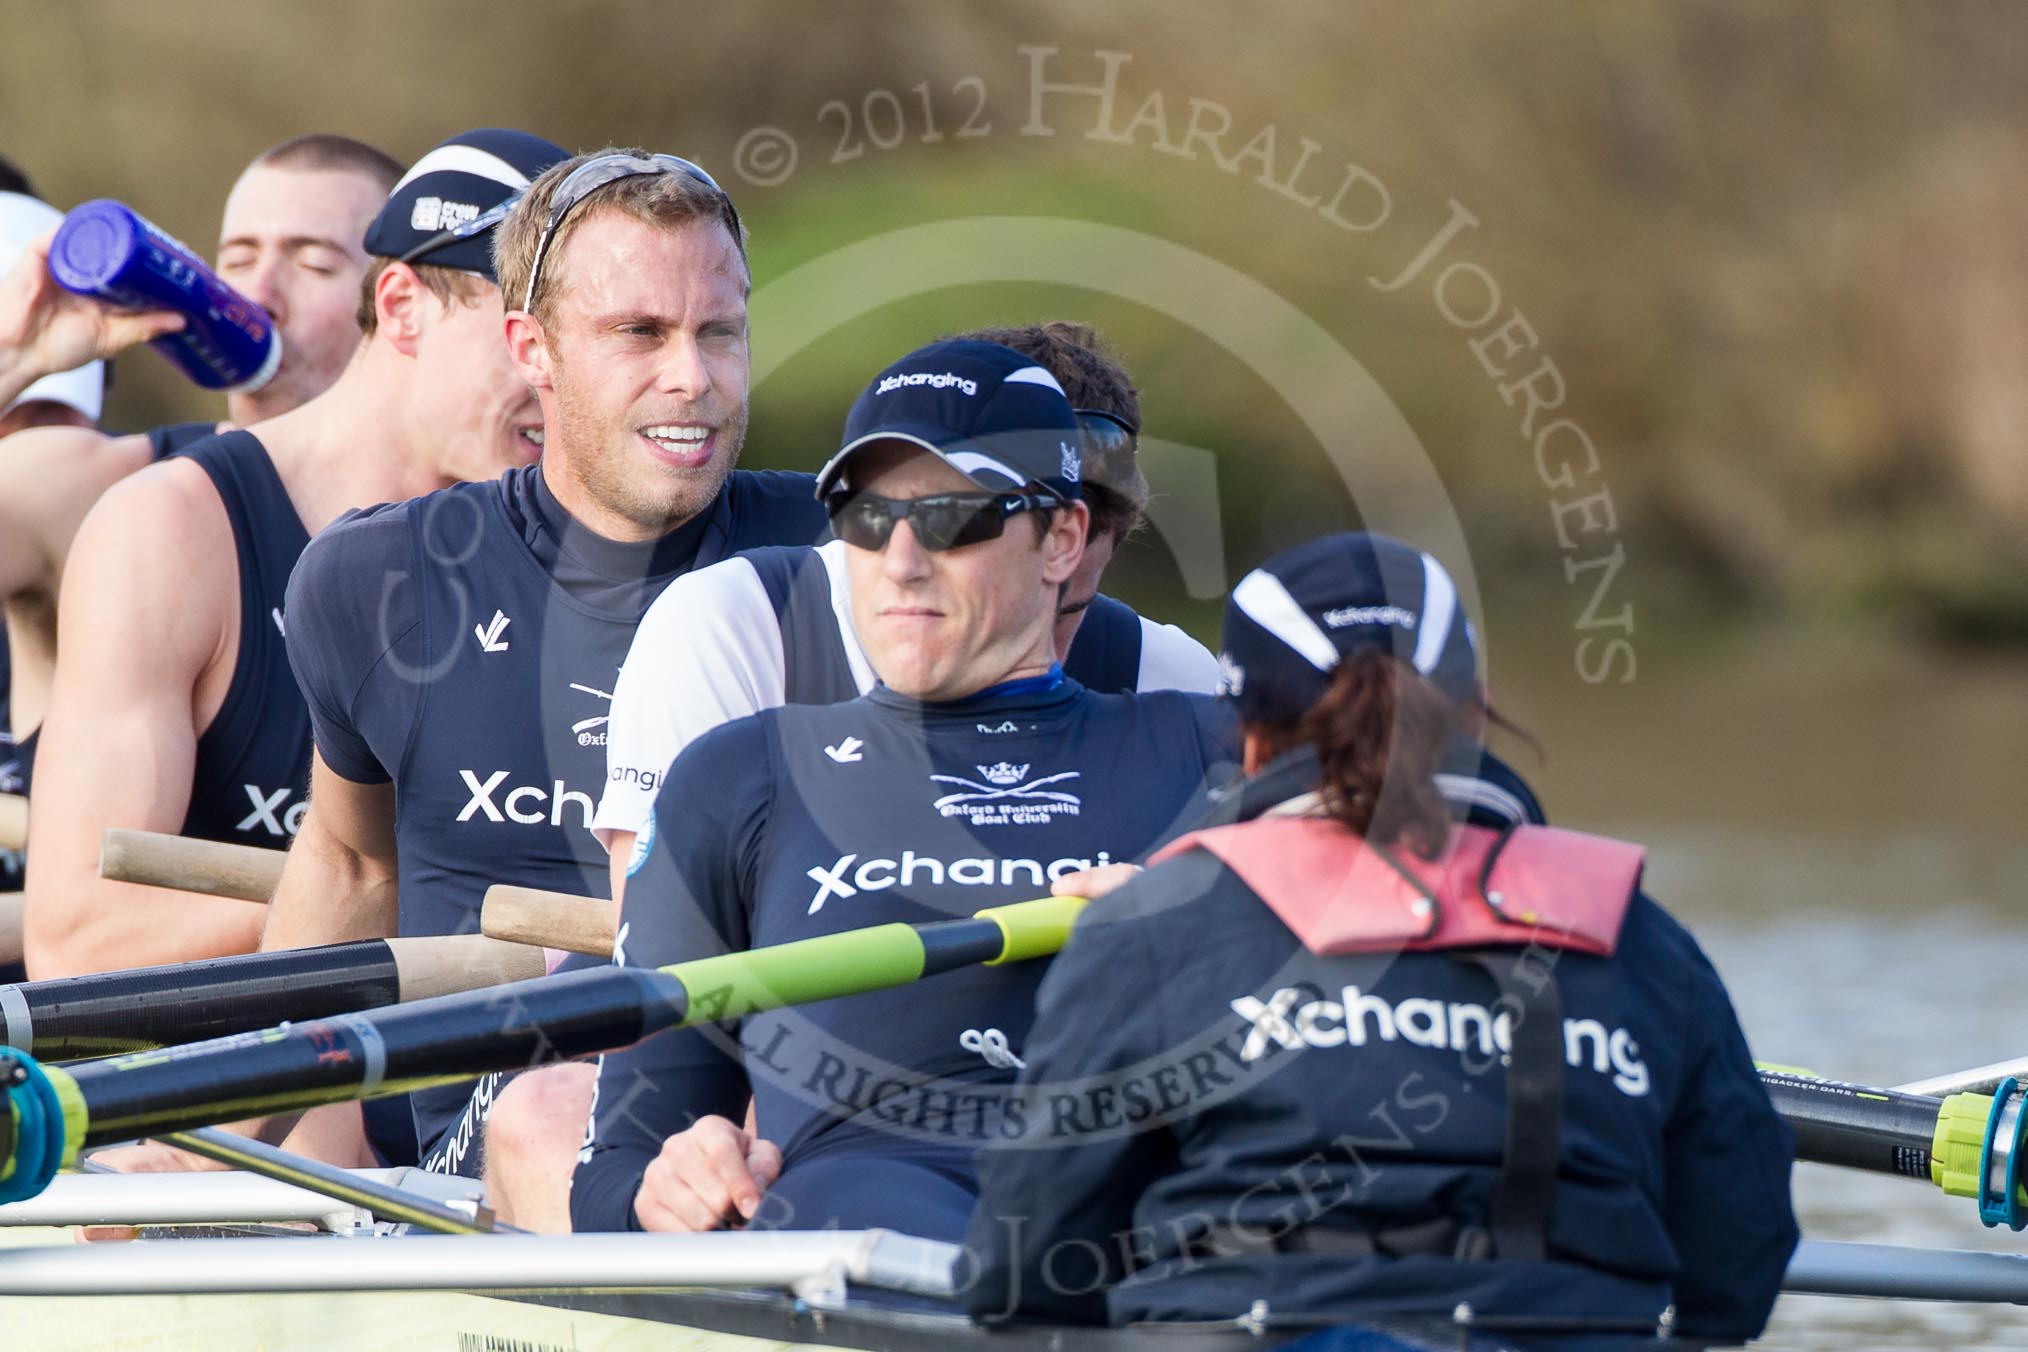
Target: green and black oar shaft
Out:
[1970,1145]
[110,1012]
[55,1111]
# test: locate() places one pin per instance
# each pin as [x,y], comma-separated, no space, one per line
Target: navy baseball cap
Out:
[1293,619]
[444,209]
[985,410]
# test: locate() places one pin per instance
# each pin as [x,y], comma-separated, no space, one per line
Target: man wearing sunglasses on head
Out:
[971,776]
[458,651]
[171,661]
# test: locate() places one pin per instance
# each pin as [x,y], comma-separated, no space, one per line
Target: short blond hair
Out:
[669,201]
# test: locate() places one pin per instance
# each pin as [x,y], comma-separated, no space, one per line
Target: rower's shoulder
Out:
[375,537]
[353,573]
[728,765]
[734,583]
[1211,721]
[47,473]
[151,575]
[449,523]
[170,508]
[1660,950]
[775,507]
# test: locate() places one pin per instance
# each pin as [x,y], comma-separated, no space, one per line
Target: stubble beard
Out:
[618,475]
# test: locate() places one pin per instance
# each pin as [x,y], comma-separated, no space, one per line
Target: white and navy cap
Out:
[1293,619]
[22,220]
[985,410]
[459,181]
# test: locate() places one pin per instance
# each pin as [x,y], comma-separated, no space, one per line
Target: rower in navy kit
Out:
[458,651]
[38,517]
[290,243]
[1446,1066]
[774,625]
[182,671]
[476,674]
[974,775]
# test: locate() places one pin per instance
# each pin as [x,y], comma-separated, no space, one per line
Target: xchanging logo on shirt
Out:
[521,803]
[1287,1019]
[628,774]
[850,875]
[269,814]
[1007,797]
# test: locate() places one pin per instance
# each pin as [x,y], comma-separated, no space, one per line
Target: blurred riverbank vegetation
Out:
[1777,254]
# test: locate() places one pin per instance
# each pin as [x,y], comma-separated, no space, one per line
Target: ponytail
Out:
[1380,730]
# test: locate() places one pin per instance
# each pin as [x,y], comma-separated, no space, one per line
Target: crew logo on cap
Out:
[458,182]
[985,410]
[1292,620]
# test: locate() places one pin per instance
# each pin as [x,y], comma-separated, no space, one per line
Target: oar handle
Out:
[530,915]
[1969,1145]
[209,866]
[13,821]
[431,965]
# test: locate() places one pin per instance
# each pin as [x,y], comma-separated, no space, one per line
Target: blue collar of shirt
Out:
[1044,684]
[1049,685]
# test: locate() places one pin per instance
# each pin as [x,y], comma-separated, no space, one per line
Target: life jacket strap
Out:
[1533,1143]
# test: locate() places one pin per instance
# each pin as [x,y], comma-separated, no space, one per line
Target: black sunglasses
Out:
[594,174]
[478,225]
[1106,433]
[941,521]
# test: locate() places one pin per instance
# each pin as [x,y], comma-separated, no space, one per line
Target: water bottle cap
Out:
[91,246]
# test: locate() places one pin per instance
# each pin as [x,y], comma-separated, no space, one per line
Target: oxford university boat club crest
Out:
[1004,795]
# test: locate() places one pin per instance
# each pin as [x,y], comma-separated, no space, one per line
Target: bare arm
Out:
[135,645]
[339,882]
[45,329]
[338,885]
[621,843]
[49,479]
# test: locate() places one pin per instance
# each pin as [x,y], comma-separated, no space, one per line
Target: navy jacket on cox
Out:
[1161,1119]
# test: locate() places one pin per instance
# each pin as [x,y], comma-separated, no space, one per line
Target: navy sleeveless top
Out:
[1104,656]
[17,759]
[170,438]
[253,761]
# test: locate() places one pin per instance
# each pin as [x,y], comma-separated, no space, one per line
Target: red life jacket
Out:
[1338,894]
[1488,891]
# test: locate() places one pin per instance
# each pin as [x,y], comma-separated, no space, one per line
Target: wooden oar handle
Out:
[529,915]
[208,866]
[13,821]
[430,966]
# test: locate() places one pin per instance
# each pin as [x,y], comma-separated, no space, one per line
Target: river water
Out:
[1840,828]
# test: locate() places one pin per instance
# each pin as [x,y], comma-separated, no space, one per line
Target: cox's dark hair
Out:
[1380,730]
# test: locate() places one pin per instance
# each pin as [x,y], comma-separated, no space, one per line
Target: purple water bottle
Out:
[106,251]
